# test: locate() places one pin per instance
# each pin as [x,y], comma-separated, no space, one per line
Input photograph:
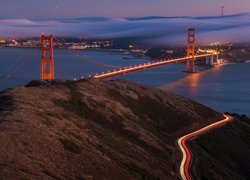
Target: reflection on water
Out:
[225,88]
[190,81]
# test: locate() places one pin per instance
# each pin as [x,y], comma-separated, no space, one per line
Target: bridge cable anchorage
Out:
[18,67]
[85,57]
[47,70]
[191,50]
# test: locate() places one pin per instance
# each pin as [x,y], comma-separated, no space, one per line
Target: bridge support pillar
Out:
[212,60]
[47,70]
[217,61]
[191,51]
[207,60]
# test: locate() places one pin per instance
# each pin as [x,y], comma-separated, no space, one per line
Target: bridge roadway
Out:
[147,66]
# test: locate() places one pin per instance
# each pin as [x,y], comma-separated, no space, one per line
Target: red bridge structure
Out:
[191,50]
[47,71]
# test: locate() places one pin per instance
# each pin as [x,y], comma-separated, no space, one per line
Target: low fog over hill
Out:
[154,30]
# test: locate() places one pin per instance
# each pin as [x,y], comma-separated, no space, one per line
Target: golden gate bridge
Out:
[48,72]
[48,63]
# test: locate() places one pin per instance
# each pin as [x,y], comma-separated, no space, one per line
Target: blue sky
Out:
[118,8]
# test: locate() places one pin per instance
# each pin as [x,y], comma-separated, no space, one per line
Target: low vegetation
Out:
[224,152]
[119,129]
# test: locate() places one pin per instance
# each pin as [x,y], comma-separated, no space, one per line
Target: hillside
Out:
[223,154]
[94,129]
[237,53]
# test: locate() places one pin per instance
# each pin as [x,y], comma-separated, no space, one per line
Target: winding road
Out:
[186,154]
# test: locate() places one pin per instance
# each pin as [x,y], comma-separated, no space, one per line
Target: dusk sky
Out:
[118,8]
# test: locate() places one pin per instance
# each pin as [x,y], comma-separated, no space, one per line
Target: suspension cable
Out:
[18,67]
[85,57]
[12,64]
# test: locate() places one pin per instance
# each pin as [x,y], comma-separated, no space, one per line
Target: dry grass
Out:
[119,129]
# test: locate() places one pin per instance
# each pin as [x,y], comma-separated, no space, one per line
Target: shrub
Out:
[70,146]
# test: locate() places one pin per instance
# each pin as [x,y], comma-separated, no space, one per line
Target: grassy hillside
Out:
[223,153]
[94,129]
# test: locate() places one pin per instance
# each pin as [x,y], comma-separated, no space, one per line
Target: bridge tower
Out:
[191,50]
[47,71]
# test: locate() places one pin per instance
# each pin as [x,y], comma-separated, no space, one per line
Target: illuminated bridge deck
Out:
[131,69]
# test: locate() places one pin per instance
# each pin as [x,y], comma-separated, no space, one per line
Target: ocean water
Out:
[224,88]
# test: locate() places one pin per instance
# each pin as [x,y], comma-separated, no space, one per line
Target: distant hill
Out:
[94,129]
[237,53]
[186,17]
[155,18]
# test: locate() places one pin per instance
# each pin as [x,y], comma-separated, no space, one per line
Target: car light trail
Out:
[186,154]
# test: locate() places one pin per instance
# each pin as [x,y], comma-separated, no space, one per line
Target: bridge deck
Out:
[146,66]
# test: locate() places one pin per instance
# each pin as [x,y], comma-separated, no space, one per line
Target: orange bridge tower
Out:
[47,71]
[191,50]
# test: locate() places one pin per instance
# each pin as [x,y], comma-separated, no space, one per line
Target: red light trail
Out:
[186,153]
